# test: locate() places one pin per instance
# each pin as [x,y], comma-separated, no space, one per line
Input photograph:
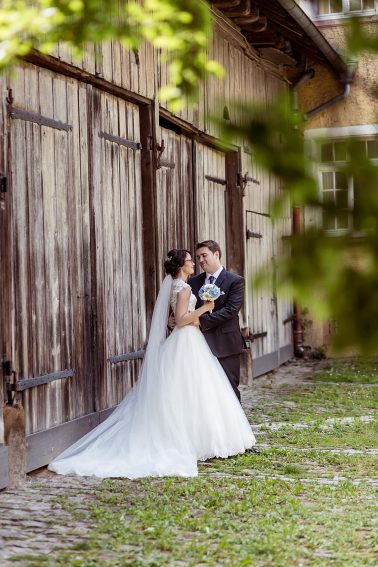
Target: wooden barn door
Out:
[262,308]
[283,228]
[174,203]
[50,226]
[117,255]
[210,192]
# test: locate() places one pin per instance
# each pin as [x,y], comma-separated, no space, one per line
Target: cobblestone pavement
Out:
[32,522]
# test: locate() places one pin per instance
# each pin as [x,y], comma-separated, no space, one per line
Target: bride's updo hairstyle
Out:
[175,260]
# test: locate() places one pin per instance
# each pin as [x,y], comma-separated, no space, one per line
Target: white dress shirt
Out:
[215,275]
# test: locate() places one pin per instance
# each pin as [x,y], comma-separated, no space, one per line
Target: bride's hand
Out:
[196,322]
[209,305]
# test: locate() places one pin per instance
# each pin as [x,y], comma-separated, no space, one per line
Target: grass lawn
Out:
[273,509]
[350,370]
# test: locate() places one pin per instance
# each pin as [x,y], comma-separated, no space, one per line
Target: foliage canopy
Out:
[181,28]
[336,276]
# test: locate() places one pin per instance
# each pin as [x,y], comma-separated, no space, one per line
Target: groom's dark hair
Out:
[211,245]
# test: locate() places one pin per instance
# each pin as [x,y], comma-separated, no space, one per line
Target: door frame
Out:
[6,271]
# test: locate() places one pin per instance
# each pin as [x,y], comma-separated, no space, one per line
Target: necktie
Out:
[211,279]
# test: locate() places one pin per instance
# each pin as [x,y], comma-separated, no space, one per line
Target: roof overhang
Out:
[281,33]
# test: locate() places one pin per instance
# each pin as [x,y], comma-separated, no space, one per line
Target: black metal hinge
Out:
[251,234]
[217,180]
[242,181]
[26,383]
[6,367]
[259,335]
[159,152]
[120,141]
[126,356]
[10,380]
[3,183]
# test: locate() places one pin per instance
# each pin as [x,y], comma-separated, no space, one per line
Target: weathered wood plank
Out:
[89,58]
[77,400]
[96,166]
[84,354]
[20,227]
[107,60]
[116,63]
[53,353]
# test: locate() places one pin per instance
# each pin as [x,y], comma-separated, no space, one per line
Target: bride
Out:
[182,408]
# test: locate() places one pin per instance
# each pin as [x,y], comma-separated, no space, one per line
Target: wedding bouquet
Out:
[210,292]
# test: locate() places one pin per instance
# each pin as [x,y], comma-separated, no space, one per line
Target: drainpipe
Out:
[297,228]
[329,102]
[299,350]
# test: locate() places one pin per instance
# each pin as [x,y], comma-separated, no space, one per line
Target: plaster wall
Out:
[361,105]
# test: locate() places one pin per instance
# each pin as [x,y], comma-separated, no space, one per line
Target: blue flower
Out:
[210,292]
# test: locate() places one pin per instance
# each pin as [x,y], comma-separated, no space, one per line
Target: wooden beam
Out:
[234,220]
[58,66]
[148,166]
[195,133]
[44,446]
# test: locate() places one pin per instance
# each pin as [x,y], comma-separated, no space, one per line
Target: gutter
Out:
[333,58]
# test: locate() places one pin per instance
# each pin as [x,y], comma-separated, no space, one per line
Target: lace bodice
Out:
[178,285]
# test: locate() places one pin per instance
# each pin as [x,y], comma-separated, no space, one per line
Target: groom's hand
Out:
[171,322]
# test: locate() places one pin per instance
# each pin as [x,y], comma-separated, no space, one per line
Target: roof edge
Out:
[334,59]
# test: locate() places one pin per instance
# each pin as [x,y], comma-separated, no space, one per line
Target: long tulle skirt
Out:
[179,413]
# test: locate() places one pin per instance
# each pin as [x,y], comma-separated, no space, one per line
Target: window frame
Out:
[312,9]
[333,167]
[314,140]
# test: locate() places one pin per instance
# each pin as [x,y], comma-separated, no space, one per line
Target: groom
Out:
[221,327]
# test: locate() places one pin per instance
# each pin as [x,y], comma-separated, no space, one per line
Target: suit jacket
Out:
[221,327]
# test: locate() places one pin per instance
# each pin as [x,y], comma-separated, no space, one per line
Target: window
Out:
[338,189]
[333,7]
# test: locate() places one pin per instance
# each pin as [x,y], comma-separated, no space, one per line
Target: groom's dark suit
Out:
[221,327]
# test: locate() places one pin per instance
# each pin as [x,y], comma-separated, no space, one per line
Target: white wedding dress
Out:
[181,410]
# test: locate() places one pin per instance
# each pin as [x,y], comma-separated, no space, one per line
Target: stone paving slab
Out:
[33,522]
